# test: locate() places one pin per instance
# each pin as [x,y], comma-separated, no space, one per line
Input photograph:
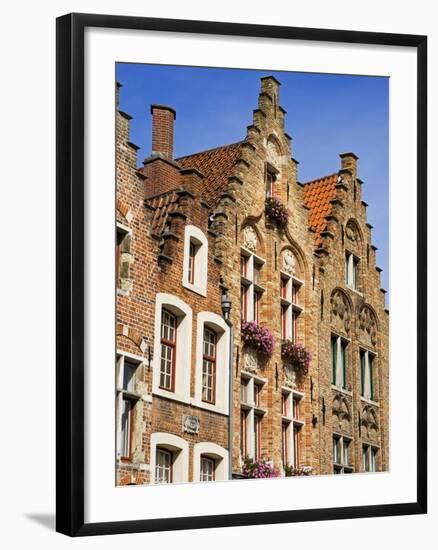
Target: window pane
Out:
[243,446]
[296,447]
[344,364]
[125,444]
[257,435]
[362,373]
[370,366]
[334,358]
[346,459]
[167,353]
[207,469]
[129,375]
[163,467]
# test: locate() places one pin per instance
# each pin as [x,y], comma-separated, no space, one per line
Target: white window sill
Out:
[369,401]
[209,407]
[172,396]
[358,292]
[342,390]
[195,288]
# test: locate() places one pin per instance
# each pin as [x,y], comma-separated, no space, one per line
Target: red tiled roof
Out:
[317,196]
[216,165]
[162,206]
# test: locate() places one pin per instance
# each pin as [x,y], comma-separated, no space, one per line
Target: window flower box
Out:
[277,212]
[258,338]
[296,355]
[258,469]
[290,471]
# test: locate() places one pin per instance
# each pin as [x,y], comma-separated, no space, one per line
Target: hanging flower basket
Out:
[258,338]
[296,355]
[259,469]
[276,211]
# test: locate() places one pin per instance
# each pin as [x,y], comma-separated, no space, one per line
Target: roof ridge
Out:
[211,149]
[321,178]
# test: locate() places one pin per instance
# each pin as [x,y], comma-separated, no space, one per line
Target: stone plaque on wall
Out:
[191,424]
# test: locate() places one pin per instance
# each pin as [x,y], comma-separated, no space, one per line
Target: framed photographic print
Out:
[241,274]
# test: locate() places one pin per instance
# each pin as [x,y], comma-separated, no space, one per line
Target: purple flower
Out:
[259,469]
[276,211]
[257,337]
[297,355]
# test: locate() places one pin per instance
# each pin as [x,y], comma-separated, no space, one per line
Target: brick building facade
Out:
[206,255]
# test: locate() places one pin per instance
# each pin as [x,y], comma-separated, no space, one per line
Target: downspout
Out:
[226,308]
[230,401]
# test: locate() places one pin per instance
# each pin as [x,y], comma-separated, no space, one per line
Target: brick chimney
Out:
[349,162]
[162,130]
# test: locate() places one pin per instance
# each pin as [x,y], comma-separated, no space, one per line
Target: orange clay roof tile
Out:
[317,196]
[217,165]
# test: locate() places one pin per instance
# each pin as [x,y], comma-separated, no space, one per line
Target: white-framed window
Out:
[251,290]
[195,262]
[339,360]
[208,468]
[169,458]
[127,373]
[366,365]
[351,270]
[342,449]
[291,427]
[210,462]
[270,179]
[212,362]
[290,308]
[163,466]
[252,412]
[172,348]
[369,458]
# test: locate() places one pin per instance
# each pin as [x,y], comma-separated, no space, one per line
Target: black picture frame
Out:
[70,273]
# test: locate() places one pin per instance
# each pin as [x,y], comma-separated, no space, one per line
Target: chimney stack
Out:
[349,162]
[162,131]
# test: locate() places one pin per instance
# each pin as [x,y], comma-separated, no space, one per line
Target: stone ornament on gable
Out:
[289,262]
[368,325]
[369,424]
[250,238]
[272,153]
[341,309]
[351,233]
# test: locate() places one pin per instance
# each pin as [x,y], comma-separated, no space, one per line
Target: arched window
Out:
[172,348]
[210,462]
[212,362]
[169,458]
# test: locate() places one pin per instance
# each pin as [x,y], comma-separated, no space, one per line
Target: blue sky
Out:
[326,115]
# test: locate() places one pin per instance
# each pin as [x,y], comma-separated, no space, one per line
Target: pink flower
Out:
[257,337]
[276,211]
[297,355]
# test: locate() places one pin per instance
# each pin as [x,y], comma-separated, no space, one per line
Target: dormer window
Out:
[195,260]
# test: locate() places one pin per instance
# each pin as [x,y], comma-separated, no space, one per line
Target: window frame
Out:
[251,291]
[367,368]
[352,270]
[212,360]
[342,352]
[207,458]
[167,452]
[172,344]
[343,442]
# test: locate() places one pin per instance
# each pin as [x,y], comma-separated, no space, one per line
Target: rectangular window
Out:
[284,404]
[346,453]
[163,466]
[294,325]
[373,459]
[120,237]
[337,450]
[207,469]
[351,270]
[297,431]
[129,370]
[168,350]
[285,443]
[365,458]
[270,179]
[244,384]
[257,394]
[334,349]
[243,434]
[339,360]
[366,374]
[209,366]
[283,287]
[191,268]
[257,299]
[126,429]
[257,436]
[244,302]
[244,266]
[284,312]
[296,408]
